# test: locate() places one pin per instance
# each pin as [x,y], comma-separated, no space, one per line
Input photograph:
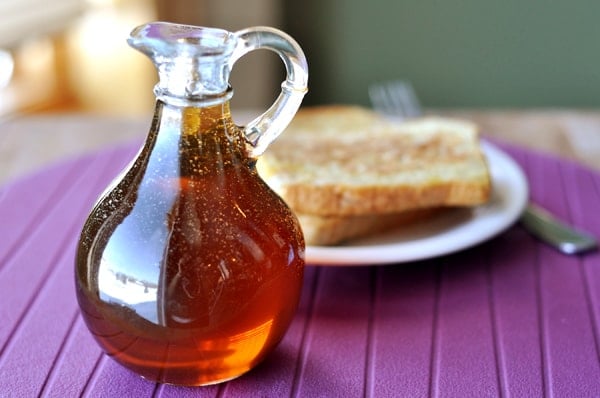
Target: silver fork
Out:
[398,100]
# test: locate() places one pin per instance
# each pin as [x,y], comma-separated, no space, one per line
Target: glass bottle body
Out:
[189,268]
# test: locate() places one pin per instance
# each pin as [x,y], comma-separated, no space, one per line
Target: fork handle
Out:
[550,230]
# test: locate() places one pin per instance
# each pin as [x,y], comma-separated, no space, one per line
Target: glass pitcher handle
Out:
[261,131]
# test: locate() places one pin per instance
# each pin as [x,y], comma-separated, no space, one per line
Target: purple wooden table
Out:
[510,317]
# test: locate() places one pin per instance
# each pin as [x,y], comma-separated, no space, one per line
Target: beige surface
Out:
[31,142]
[573,134]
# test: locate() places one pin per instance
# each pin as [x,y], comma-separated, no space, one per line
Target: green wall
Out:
[457,53]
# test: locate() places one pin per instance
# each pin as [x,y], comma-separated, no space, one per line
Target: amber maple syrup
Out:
[190,268]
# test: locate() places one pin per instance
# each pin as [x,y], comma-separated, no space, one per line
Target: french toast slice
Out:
[348,165]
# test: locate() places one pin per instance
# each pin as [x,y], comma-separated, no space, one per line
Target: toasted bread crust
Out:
[338,200]
[331,230]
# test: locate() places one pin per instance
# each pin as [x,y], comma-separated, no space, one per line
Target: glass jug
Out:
[189,268]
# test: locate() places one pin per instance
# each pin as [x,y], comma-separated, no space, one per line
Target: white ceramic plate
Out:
[446,233]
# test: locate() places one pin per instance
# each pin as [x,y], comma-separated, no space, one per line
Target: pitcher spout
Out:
[192,62]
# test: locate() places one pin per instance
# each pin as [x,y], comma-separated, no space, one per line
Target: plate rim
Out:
[512,207]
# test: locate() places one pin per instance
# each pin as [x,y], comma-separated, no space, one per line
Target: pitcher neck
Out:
[193,117]
[168,97]
[196,82]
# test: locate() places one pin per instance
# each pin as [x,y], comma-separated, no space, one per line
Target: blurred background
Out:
[71,55]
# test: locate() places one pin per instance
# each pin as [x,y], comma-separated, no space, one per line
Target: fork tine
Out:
[405,97]
[386,101]
[395,99]
[399,97]
[413,101]
[380,101]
